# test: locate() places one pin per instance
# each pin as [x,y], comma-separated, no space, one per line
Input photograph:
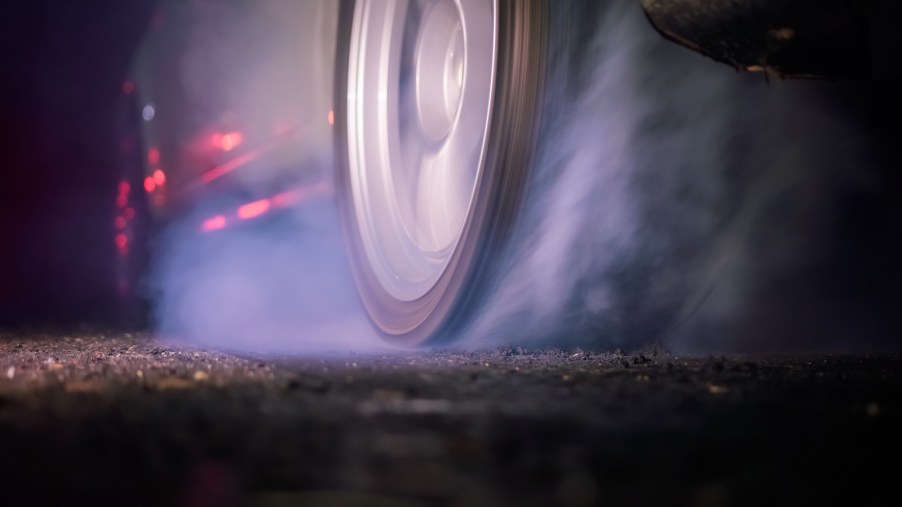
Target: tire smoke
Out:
[678,202]
[277,282]
[279,286]
[673,201]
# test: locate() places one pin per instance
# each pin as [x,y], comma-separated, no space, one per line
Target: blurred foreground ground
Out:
[122,419]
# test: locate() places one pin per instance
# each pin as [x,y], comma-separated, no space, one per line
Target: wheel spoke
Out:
[418,114]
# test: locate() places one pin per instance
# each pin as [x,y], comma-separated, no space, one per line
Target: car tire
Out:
[437,110]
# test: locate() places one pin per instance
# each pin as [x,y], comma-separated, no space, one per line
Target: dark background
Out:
[63,65]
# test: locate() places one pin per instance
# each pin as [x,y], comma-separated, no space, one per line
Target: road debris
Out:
[131,420]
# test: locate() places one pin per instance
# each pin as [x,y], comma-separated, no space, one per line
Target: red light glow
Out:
[229,141]
[213,224]
[221,170]
[159,177]
[149,184]
[122,200]
[120,222]
[280,200]
[300,194]
[128,87]
[153,155]
[124,187]
[254,209]
[121,241]
[331,117]
[245,158]
[286,198]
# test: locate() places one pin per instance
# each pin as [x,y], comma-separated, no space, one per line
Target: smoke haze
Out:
[679,202]
[673,201]
[279,282]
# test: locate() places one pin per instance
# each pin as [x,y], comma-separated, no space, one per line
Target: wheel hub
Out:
[439,70]
[420,87]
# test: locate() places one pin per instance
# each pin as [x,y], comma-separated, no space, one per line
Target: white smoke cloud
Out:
[656,186]
[673,200]
[276,286]
[278,283]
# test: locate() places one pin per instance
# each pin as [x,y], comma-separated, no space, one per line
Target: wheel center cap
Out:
[441,55]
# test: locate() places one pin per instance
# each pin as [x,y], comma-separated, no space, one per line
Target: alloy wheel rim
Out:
[420,87]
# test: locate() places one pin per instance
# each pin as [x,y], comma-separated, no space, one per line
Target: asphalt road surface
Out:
[122,419]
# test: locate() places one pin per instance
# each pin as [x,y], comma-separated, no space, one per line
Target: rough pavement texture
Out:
[122,419]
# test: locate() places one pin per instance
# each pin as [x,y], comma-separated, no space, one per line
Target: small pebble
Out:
[872,409]
[717,390]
